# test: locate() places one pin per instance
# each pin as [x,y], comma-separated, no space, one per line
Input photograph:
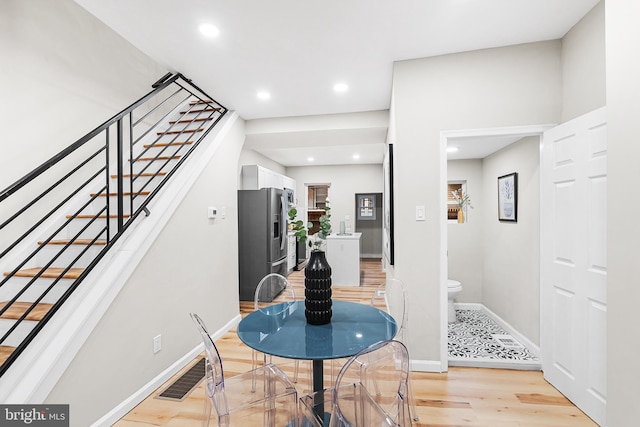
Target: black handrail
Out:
[168,114]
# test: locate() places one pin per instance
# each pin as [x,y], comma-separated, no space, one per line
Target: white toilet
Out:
[453,288]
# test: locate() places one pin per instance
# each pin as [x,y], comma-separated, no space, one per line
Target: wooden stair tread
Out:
[49,273]
[18,308]
[201,110]
[199,119]
[85,216]
[151,159]
[5,352]
[144,174]
[126,193]
[173,132]
[168,144]
[75,242]
[201,101]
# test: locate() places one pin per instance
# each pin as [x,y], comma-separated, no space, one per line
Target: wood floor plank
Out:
[461,397]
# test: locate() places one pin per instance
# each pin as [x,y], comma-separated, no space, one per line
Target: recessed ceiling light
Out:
[209,30]
[356,156]
[310,159]
[263,95]
[452,149]
[340,87]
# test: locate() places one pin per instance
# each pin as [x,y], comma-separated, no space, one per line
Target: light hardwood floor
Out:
[461,397]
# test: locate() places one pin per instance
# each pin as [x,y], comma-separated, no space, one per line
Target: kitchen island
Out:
[343,255]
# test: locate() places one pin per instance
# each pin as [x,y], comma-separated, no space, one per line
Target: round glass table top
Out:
[282,330]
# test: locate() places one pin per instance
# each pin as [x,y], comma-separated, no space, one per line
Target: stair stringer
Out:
[34,374]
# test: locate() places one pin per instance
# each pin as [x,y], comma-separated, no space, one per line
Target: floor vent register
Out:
[507,341]
[184,385]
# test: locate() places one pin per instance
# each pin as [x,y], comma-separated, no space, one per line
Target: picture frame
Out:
[508,197]
[366,207]
[388,220]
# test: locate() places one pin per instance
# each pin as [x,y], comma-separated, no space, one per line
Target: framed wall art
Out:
[388,240]
[508,197]
[366,207]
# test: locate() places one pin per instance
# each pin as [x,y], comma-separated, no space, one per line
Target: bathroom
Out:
[496,262]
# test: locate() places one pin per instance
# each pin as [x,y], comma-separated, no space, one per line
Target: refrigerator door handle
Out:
[283,260]
[283,225]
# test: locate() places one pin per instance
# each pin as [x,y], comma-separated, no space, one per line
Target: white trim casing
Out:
[444,137]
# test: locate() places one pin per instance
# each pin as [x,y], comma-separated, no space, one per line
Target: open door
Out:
[573,270]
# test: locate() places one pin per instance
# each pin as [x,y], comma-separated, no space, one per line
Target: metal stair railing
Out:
[59,220]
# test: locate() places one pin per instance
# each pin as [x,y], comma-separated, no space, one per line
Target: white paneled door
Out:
[573,267]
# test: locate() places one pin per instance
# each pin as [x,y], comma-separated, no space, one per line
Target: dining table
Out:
[282,330]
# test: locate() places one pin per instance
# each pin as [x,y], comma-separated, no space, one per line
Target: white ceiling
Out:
[297,50]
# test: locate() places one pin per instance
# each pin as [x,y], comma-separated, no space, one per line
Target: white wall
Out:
[63,73]
[252,157]
[623,93]
[511,276]
[465,241]
[583,65]
[191,267]
[345,182]
[511,86]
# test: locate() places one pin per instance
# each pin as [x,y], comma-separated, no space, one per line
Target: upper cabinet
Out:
[255,177]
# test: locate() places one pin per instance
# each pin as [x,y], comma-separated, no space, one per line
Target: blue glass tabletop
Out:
[282,330]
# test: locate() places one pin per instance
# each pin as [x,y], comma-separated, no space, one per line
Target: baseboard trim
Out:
[145,391]
[425,365]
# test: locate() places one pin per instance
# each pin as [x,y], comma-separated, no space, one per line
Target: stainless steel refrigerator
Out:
[262,237]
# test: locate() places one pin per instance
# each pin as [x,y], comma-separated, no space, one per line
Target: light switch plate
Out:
[420,215]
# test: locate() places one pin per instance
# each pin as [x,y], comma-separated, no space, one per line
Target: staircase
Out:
[60,220]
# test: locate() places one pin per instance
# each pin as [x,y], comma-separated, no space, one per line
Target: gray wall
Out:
[465,241]
[511,272]
[498,262]
[623,92]
[583,65]
[371,229]
[511,86]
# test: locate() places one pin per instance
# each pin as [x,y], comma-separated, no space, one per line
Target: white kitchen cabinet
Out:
[292,257]
[343,255]
[255,177]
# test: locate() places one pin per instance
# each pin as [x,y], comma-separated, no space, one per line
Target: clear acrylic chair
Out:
[316,409]
[274,402]
[370,391]
[273,289]
[391,297]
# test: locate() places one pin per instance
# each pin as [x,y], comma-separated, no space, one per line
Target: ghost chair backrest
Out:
[214,381]
[272,289]
[380,374]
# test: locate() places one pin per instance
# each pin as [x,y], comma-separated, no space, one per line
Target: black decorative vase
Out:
[317,289]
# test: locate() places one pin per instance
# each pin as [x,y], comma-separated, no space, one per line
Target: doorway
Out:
[478,218]
[317,200]
[368,221]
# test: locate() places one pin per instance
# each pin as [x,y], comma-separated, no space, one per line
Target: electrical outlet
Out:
[157,343]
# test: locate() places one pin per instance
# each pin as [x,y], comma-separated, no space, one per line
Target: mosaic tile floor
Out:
[476,340]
